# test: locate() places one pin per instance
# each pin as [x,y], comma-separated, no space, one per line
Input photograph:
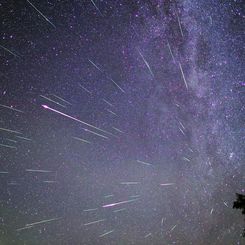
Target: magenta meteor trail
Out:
[73,118]
[118,203]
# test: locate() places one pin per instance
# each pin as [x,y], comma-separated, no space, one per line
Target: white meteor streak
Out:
[117,85]
[113,113]
[186,159]
[173,227]
[146,63]
[181,31]
[57,103]
[181,130]
[8,146]
[38,170]
[95,65]
[62,99]
[90,210]
[145,163]
[107,196]
[118,130]
[9,51]
[84,89]
[41,13]
[10,131]
[96,7]
[106,233]
[23,138]
[183,75]
[167,184]
[92,132]
[170,50]
[107,102]
[118,203]
[149,234]
[11,108]
[95,222]
[129,183]
[119,210]
[73,118]
[27,226]
[82,140]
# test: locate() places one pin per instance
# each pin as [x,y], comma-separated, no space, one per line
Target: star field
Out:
[121,122]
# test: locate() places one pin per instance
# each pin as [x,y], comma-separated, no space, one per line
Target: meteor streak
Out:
[183,75]
[167,184]
[11,108]
[84,89]
[61,99]
[57,103]
[129,183]
[146,63]
[82,140]
[118,203]
[73,118]
[92,132]
[95,222]
[145,163]
[41,14]
[117,85]
[96,7]
[95,65]
[10,131]
[9,51]
[107,102]
[106,233]
[38,170]
[170,50]
[8,146]
[90,209]
[27,226]
[24,138]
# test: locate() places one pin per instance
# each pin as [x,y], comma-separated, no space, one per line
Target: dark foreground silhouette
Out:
[240,204]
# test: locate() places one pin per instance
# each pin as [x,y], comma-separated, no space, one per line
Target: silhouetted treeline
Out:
[240,204]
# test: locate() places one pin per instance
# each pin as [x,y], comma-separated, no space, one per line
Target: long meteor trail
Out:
[117,85]
[10,130]
[42,221]
[57,103]
[146,63]
[145,163]
[61,99]
[95,222]
[95,65]
[167,184]
[75,119]
[11,108]
[8,146]
[41,13]
[106,233]
[38,170]
[82,140]
[28,226]
[9,51]
[183,75]
[118,203]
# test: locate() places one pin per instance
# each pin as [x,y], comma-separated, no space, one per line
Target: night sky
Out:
[121,122]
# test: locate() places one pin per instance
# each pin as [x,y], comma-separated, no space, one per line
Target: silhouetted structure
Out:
[240,204]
